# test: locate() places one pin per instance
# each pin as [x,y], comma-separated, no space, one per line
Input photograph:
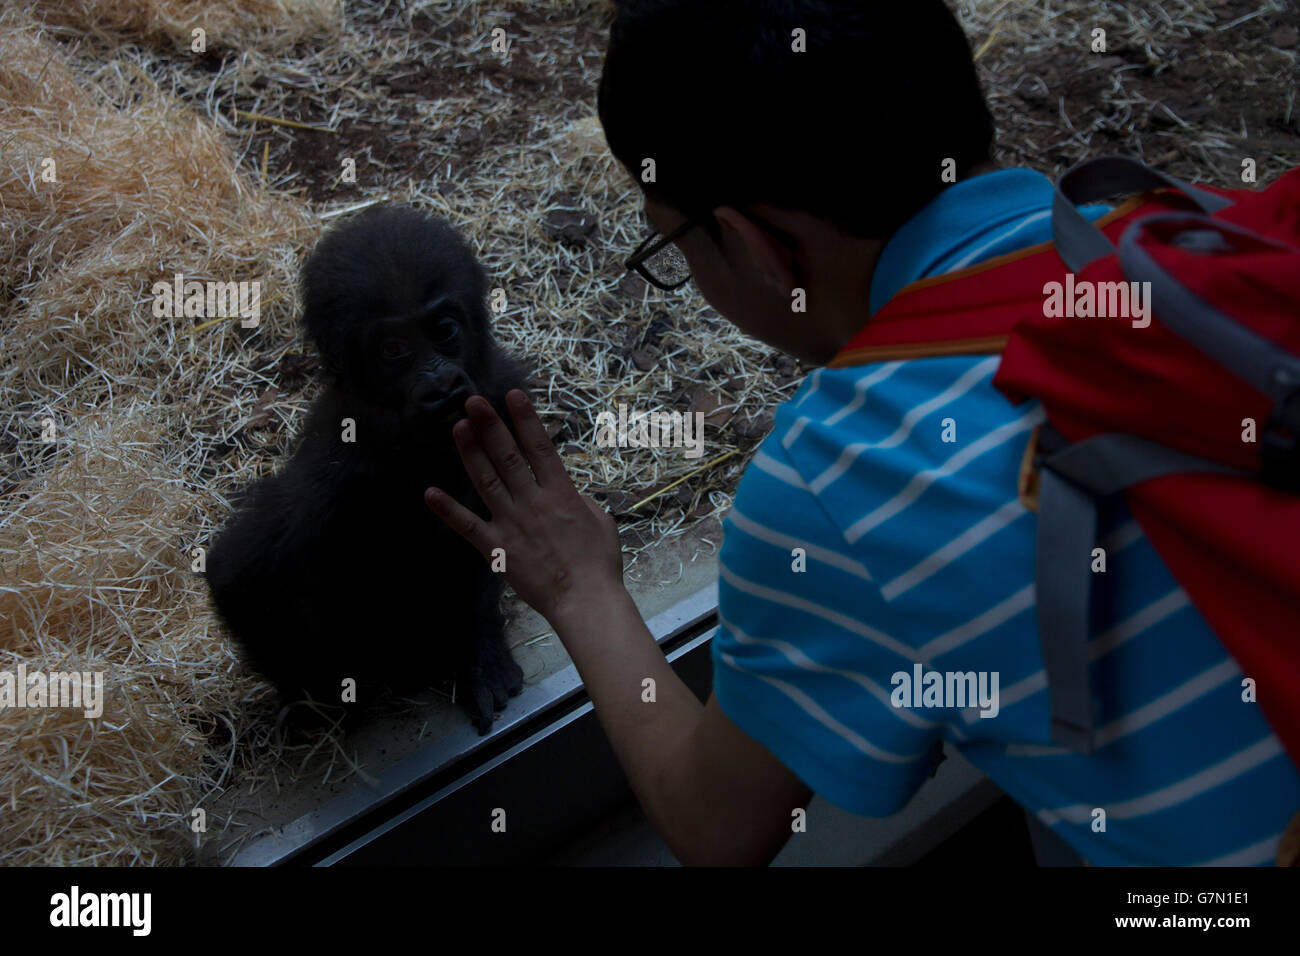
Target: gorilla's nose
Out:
[445,388]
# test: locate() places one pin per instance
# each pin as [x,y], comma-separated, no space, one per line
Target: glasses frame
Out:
[651,245]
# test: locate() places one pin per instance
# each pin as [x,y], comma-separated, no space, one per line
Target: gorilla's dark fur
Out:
[334,568]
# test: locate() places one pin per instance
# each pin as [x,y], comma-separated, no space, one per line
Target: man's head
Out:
[799,153]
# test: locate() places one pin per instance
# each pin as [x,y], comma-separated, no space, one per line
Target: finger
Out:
[500,446]
[482,473]
[536,443]
[460,520]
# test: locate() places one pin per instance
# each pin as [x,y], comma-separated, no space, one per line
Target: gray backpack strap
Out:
[1072,479]
[1248,355]
[1078,241]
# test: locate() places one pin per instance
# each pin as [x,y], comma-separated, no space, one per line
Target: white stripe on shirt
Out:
[1146,715]
[802,661]
[936,561]
[1257,854]
[997,615]
[1121,633]
[975,253]
[972,377]
[778,470]
[850,624]
[763,533]
[924,479]
[1244,761]
[814,710]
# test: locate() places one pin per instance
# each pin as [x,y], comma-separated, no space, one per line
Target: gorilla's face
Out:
[395,302]
[423,364]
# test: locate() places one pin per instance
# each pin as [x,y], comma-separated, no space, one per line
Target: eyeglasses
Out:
[660,262]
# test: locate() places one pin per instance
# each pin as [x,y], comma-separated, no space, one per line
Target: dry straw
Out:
[96,525]
[265,23]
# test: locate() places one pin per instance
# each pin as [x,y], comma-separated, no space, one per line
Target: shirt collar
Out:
[952,220]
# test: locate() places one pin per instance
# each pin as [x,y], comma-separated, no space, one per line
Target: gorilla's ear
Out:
[327,334]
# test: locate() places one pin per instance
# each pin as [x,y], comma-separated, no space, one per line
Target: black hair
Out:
[387,260]
[854,130]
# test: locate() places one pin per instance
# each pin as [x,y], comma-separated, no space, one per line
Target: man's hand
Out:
[715,795]
[560,547]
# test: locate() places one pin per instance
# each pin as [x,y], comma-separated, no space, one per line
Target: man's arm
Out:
[715,795]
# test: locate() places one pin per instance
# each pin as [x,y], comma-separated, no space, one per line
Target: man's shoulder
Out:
[887,463]
[889,405]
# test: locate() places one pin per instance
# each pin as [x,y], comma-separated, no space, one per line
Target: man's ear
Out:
[772,259]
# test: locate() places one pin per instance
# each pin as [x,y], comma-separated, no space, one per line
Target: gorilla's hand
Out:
[487,678]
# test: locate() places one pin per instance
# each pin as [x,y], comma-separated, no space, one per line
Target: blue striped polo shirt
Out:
[916,551]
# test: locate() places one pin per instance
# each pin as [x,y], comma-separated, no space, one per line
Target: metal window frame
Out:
[547,763]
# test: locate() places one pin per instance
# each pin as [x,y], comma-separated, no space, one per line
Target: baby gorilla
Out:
[335,568]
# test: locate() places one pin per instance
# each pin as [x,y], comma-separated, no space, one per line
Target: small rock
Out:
[262,409]
[407,83]
[633,285]
[659,326]
[702,400]
[570,225]
[644,359]
[1284,37]
[1106,62]
[521,71]
[753,428]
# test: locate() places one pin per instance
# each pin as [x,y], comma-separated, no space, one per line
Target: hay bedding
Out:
[164,167]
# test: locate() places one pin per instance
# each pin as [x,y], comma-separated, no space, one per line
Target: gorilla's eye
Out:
[393,349]
[446,332]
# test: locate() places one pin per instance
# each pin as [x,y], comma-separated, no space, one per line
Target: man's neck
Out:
[850,313]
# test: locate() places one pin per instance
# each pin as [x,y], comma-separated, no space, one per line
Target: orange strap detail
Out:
[992,345]
[1027,483]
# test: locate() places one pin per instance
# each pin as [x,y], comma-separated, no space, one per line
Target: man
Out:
[795,151]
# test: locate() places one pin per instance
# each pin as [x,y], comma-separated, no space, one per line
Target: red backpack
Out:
[1194,417]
